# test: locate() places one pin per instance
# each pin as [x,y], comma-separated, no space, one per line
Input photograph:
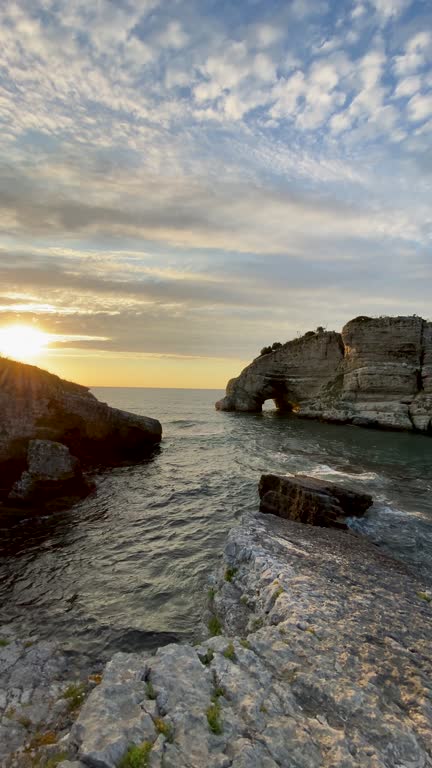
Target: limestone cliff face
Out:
[35,404]
[377,372]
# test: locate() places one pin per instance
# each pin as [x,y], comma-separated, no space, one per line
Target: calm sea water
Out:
[128,568]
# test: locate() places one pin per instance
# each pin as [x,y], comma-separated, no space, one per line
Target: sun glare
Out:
[22,342]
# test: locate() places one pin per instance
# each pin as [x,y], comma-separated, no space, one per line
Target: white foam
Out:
[324,469]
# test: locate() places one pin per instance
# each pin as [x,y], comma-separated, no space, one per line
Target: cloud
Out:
[250,167]
[420,107]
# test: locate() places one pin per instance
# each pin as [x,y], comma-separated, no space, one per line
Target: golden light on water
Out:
[22,342]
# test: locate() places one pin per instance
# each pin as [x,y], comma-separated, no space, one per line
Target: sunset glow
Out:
[22,342]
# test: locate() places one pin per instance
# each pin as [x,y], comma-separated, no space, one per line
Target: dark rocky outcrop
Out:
[312,501]
[51,473]
[36,405]
[376,373]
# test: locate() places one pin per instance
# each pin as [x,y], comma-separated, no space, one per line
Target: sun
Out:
[22,342]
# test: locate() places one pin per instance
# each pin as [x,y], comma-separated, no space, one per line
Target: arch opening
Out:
[283,397]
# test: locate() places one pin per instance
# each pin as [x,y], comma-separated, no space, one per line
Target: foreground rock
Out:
[312,501]
[51,473]
[36,405]
[377,372]
[40,696]
[325,661]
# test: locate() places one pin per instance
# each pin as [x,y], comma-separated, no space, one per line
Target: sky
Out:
[184,182]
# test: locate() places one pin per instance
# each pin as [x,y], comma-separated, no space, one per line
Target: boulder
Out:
[376,373]
[312,501]
[51,472]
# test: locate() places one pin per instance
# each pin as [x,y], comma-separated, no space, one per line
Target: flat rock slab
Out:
[309,500]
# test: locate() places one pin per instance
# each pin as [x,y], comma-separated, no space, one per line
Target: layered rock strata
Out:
[36,405]
[321,658]
[377,372]
[312,501]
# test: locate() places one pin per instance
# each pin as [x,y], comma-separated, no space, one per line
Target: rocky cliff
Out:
[35,404]
[377,372]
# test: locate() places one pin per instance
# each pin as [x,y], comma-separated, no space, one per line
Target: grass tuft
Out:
[214,626]
[245,643]
[150,691]
[137,756]
[229,652]
[214,717]
[164,728]
[75,695]
[230,573]
[211,593]
[4,642]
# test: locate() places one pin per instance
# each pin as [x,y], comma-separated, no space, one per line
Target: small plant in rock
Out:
[278,593]
[244,599]
[245,643]
[164,728]
[150,691]
[229,652]
[95,679]
[4,642]
[211,593]
[43,739]
[257,624]
[230,573]
[137,756]
[74,695]
[55,760]
[424,596]
[207,657]
[214,626]
[24,721]
[214,717]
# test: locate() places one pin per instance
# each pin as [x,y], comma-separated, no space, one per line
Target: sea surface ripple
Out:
[128,568]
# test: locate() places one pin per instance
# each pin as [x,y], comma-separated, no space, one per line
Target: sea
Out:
[128,568]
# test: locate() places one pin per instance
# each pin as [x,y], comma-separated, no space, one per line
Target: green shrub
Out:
[137,756]
[4,642]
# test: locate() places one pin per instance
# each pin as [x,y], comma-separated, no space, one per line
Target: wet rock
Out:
[51,472]
[309,500]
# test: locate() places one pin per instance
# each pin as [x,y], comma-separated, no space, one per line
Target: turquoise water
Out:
[128,568]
